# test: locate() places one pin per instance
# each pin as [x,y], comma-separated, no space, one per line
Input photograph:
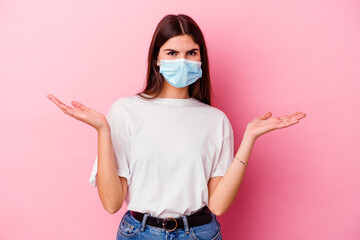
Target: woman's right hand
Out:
[82,113]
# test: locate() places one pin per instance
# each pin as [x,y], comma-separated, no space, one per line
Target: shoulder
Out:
[120,109]
[122,103]
[220,120]
[214,112]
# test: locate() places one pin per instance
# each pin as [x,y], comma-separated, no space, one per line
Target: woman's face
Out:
[181,46]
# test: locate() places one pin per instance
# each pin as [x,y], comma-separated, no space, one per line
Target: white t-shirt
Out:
[168,149]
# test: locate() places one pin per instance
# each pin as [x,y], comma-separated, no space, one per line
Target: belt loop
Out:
[186,225]
[144,221]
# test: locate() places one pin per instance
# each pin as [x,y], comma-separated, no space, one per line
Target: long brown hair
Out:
[170,26]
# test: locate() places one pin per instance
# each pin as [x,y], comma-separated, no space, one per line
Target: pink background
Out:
[302,182]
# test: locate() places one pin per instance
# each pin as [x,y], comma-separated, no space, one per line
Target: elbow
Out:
[112,210]
[216,211]
[113,207]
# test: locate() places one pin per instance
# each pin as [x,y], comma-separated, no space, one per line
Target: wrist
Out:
[249,137]
[241,161]
[104,129]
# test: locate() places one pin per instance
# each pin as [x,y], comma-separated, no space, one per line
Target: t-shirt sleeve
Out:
[226,154]
[120,122]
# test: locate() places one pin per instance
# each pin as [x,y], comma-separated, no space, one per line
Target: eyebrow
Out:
[194,49]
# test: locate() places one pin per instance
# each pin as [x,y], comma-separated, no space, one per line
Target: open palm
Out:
[264,123]
[81,113]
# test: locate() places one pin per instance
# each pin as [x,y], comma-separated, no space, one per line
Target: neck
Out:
[172,92]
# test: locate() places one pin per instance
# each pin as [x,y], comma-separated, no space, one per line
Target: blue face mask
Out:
[180,72]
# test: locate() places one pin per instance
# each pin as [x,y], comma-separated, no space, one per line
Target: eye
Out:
[192,52]
[171,53]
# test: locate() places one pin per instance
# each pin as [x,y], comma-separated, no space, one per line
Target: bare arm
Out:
[223,190]
[111,187]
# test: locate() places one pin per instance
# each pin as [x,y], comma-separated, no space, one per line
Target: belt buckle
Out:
[163,224]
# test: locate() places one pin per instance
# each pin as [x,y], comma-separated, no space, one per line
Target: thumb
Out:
[265,116]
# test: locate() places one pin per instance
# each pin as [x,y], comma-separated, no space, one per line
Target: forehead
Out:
[180,43]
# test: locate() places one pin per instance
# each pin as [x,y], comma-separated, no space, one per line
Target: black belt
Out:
[200,217]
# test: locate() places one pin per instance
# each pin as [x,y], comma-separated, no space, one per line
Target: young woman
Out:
[166,151]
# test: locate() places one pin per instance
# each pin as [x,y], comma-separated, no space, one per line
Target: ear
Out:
[157,60]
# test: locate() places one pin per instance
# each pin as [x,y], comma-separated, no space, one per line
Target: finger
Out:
[265,116]
[55,100]
[65,111]
[296,115]
[285,124]
[68,110]
[73,112]
[80,106]
[287,116]
[289,120]
[301,115]
[65,108]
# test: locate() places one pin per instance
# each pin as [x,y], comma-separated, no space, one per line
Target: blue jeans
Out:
[131,228]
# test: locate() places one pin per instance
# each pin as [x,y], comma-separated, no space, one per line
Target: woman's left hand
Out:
[264,123]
